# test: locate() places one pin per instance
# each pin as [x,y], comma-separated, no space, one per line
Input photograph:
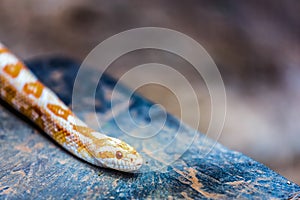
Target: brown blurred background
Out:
[255,44]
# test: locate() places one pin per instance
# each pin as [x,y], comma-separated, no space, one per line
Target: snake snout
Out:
[116,154]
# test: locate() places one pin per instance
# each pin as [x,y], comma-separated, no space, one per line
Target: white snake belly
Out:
[21,89]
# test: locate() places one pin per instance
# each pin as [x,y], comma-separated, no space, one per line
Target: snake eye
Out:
[119,155]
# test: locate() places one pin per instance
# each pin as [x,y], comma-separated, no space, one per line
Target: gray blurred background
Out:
[255,44]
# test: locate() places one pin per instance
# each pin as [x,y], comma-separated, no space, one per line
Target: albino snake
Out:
[21,89]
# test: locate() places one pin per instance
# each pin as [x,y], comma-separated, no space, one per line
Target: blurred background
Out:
[255,44]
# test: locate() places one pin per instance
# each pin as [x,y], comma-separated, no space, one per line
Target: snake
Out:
[22,90]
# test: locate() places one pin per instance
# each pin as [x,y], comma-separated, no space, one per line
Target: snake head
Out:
[113,153]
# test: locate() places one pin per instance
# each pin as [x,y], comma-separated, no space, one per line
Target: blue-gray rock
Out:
[33,166]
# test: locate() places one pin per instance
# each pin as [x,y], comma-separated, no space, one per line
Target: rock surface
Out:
[33,166]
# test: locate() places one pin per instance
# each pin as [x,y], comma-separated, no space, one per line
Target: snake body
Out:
[24,92]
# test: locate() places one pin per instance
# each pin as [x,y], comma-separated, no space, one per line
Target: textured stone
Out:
[33,166]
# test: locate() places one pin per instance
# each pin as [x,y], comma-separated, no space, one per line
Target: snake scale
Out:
[25,93]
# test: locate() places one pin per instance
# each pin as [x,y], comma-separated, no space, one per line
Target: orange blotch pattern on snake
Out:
[106,154]
[59,111]
[35,89]
[3,50]
[87,132]
[13,69]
